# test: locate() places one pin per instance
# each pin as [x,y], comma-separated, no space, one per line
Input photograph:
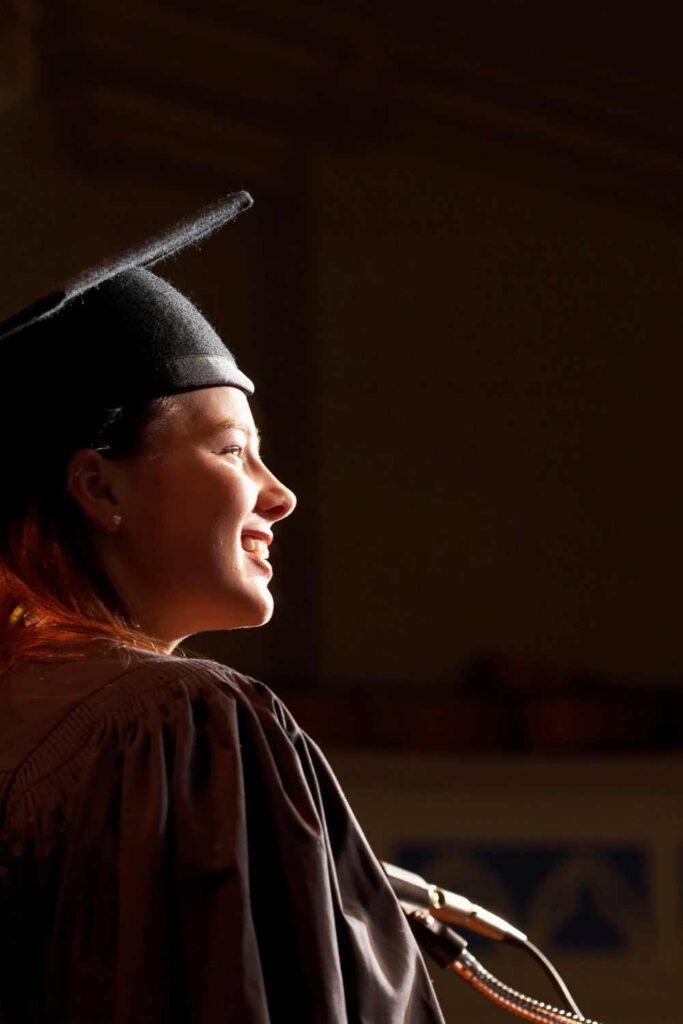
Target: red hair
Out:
[55,600]
[50,609]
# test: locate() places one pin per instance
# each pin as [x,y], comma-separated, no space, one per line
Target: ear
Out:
[91,482]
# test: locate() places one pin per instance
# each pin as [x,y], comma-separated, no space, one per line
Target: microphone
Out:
[449,907]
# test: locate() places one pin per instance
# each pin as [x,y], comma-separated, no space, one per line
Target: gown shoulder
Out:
[185,854]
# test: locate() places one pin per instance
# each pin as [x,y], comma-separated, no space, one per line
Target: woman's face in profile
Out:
[198,508]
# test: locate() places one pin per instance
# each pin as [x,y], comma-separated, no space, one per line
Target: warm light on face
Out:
[200,508]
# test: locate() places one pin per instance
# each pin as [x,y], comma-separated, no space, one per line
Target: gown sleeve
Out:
[212,871]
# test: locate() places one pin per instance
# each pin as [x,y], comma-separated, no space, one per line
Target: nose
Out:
[275,500]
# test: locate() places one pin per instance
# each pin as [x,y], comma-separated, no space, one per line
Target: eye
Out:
[233,449]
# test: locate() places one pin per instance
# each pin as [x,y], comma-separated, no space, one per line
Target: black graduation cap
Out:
[115,334]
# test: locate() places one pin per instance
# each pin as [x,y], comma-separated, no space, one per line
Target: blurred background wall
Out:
[458,295]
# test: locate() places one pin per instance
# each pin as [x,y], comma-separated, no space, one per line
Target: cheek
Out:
[195,508]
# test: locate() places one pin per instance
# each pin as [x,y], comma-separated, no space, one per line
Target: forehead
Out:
[207,407]
[197,414]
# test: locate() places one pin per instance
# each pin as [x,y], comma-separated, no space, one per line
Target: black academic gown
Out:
[173,848]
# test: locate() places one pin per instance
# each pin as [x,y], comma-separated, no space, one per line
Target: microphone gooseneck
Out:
[447,908]
[449,950]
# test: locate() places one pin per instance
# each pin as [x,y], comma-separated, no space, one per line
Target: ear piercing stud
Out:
[116,520]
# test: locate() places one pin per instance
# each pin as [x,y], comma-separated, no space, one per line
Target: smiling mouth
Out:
[255,547]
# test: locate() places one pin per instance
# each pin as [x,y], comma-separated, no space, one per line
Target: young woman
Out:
[172,847]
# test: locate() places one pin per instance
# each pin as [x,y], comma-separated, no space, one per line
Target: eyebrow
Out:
[233,424]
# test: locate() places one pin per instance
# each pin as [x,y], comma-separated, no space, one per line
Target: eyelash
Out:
[233,449]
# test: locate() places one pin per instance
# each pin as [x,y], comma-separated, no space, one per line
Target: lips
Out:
[256,543]
[255,546]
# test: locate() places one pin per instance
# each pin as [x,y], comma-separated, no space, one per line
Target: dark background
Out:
[458,293]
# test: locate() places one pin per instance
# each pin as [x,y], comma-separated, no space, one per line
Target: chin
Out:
[219,623]
[229,608]
[253,621]
[252,611]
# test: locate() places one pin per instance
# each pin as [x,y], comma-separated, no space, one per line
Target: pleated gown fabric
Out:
[173,848]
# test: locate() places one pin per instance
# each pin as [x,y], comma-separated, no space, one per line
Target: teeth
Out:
[255,546]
